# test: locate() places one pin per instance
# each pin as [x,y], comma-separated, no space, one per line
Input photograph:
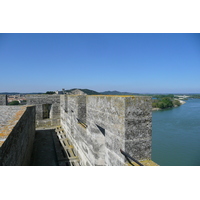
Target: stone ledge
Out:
[15,113]
[144,162]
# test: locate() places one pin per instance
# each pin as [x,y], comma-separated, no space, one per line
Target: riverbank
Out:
[181,102]
[156,109]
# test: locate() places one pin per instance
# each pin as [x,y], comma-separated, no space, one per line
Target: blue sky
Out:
[142,63]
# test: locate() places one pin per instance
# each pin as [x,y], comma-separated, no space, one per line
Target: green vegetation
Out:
[50,92]
[195,96]
[90,92]
[14,103]
[165,101]
[176,103]
[160,96]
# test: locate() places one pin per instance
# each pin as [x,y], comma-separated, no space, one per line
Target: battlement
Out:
[97,125]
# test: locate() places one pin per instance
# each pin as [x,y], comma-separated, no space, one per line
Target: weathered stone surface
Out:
[17,147]
[64,102]
[89,145]
[3,99]
[107,112]
[98,127]
[139,149]
[7,116]
[138,126]
[54,113]
[112,160]
[112,123]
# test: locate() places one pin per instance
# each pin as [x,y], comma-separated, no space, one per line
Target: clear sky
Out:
[131,62]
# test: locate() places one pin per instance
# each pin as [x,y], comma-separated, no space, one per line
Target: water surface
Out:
[176,135]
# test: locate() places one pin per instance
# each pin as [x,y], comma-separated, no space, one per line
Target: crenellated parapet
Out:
[99,126]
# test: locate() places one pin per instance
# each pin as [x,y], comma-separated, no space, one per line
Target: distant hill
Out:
[90,92]
[10,93]
[87,91]
[117,93]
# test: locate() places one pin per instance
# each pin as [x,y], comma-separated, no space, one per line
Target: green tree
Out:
[14,103]
[176,103]
[167,102]
[161,105]
[50,92]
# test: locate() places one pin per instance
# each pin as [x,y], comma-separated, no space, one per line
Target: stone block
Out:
[3,99]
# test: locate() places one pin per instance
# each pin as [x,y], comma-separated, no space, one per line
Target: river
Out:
[176,135]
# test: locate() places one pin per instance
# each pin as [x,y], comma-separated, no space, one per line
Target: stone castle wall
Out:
[47,109]
[17,135]
[3,100]
[99,126]
[89,145]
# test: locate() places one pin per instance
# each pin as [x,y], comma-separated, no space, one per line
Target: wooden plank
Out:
[71,157]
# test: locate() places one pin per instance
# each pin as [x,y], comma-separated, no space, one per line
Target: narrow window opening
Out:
[46,110]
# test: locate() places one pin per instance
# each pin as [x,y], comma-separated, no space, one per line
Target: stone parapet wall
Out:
[3,99]
[88,145]
[99,126]
[53,104]
[138,127]
[9,115]
[17,136]
[106,114]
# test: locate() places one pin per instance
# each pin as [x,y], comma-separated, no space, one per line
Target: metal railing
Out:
[127,156]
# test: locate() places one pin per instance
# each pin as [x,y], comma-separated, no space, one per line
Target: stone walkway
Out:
[52,148]
[44,153]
